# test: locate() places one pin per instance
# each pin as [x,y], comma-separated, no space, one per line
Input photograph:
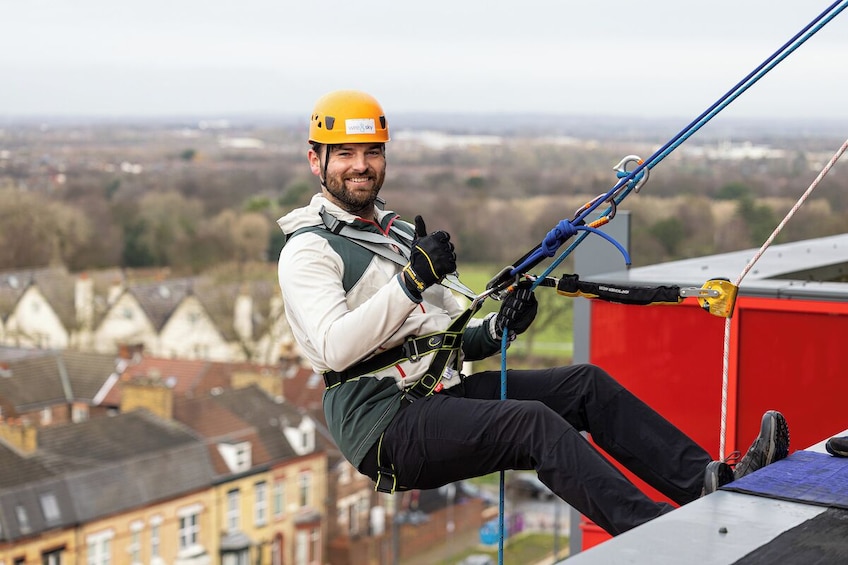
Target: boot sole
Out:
[778,435]
[774,439]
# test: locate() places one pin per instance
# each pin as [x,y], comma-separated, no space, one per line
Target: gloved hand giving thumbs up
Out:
[432,258]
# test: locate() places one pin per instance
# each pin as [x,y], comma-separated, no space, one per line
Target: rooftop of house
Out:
[38,378]
[97,468]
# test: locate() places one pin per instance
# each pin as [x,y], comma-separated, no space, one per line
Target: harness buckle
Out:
[410,350]
[331,222]
[386,481]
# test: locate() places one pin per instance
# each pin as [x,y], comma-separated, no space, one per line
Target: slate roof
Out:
[111,438]
[160,299]
[98,468]
[15,469]
[216,425]
[246,414]
[45,377]
[266,415]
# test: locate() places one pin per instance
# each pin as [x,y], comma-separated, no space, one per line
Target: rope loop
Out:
[556,237]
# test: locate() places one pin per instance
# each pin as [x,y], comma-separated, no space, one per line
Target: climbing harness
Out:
[441,345]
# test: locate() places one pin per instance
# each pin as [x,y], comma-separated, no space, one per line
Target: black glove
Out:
[432,258]
[518,309]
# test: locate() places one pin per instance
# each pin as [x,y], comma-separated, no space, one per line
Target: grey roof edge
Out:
[763,279]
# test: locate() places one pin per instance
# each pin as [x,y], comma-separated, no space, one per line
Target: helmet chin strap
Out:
[326,164]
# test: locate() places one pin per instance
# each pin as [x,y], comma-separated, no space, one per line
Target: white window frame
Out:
[156,540]
[134,547]
[279,498]
[304,488]
[233,515]
[260,506]
[188,534]
[99,548]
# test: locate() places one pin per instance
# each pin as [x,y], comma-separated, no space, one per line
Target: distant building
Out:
[189,318]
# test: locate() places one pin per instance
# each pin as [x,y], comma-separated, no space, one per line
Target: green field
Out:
[550,338]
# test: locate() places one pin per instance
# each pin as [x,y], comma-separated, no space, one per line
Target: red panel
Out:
[794,361]
[669,356]
[790,356]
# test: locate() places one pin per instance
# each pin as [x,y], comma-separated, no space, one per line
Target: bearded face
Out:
[352,176]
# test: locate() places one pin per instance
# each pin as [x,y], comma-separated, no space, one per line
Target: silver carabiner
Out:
[622,168]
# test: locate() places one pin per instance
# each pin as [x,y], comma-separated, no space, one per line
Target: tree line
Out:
[191,206]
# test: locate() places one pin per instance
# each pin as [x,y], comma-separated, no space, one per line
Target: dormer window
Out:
[50,507]
[302,437]
[23,519]
[238,456]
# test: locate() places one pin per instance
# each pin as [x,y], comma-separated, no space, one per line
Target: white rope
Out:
[754,259]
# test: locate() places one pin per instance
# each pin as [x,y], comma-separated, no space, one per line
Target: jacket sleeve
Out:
[332,334]
[477,341]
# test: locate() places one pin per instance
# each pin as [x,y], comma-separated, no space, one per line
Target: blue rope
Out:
[621,191]
[504,345]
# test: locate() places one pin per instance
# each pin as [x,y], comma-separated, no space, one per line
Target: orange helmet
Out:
[348,116]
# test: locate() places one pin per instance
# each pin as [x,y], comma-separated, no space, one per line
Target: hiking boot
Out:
[771,445]
[717,474]
[837,446]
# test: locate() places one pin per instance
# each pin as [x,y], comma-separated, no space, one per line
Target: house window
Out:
[99,548]
[261,507]
[237,455]
[53,557]
[134,548]
[301,548]
[307,547]
[155,539]
[233,517]
[235,558]
[46,416]
[189,530]
[353,524]
[305,488]
[50,507]
[243,456]
[23,519]
[79,413]
[279,498]
[128,313]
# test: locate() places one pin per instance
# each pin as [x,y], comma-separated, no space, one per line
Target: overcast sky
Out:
[649,58]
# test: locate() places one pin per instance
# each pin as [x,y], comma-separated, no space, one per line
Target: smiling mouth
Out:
[359,180]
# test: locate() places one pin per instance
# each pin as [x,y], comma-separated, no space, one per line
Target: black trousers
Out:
[467,431]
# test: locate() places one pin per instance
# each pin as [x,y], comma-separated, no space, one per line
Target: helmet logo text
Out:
[360,126]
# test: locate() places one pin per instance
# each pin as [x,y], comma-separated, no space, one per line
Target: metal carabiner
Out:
[640,179]
[603,219]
